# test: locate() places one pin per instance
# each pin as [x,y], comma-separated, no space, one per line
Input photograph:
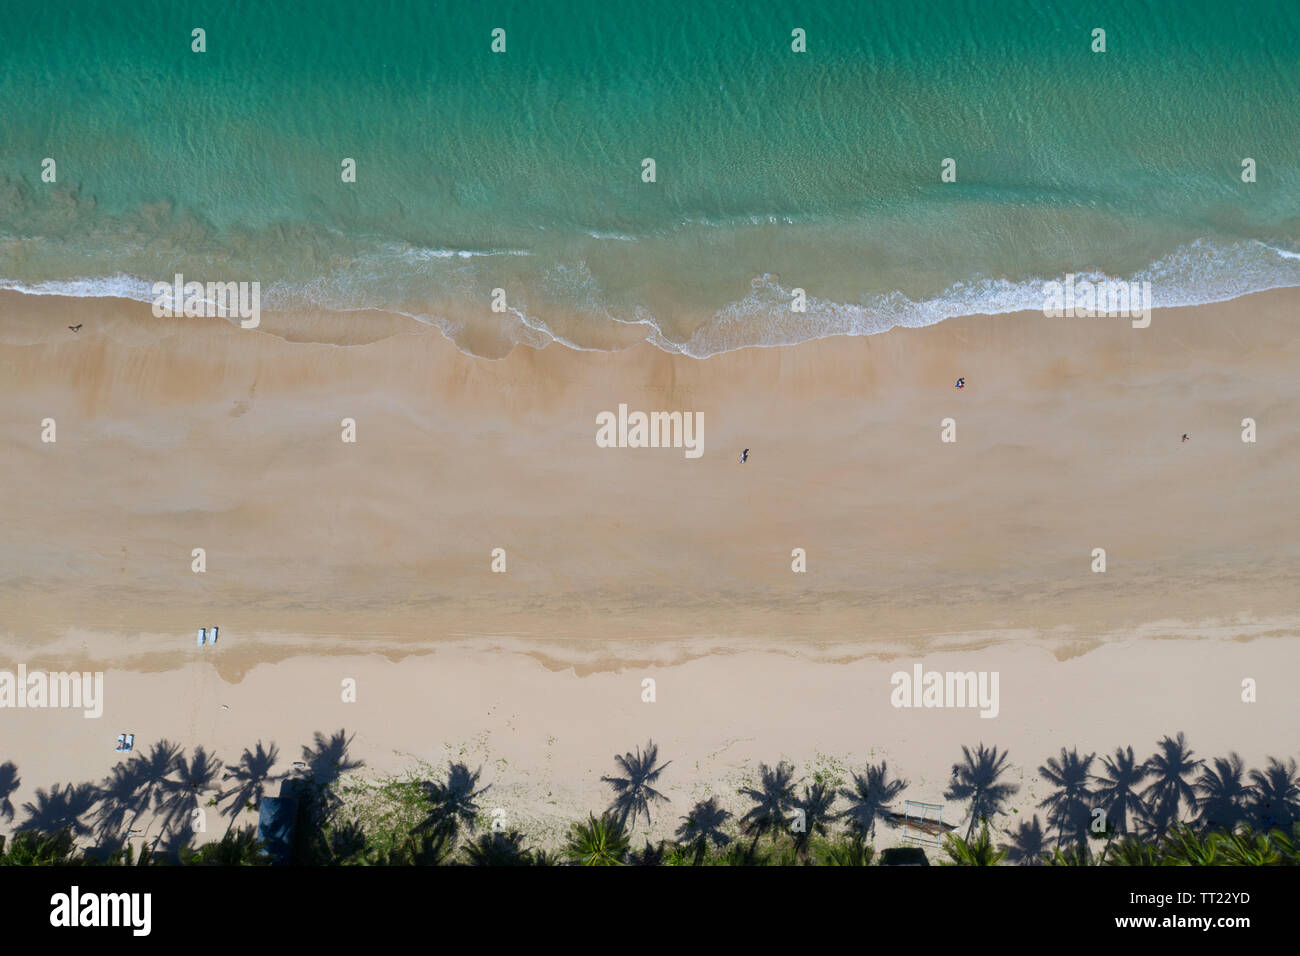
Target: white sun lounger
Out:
[130,742]
[203,636]
[121,741]
[212,638]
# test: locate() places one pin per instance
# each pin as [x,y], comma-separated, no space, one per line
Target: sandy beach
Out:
[372,559]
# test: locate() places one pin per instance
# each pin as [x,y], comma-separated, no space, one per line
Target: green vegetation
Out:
[1169,810]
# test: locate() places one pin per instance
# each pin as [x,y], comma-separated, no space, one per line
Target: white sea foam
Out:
[1197,273]
[417,253]
[101,287]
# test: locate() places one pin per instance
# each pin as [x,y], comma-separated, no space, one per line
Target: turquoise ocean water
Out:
[775,169]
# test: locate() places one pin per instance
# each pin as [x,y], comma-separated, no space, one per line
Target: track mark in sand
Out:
[726,746]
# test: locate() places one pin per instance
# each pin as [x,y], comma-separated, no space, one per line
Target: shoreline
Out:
[339,327]
[226,437]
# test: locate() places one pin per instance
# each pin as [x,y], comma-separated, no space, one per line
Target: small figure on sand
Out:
[961,383]
[76,328]
[1184,438]
[744,456]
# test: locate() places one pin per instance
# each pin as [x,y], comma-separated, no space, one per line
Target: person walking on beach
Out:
[1184,438]
[744,456]
[961,383]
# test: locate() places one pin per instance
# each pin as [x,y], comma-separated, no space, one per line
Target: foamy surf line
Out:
[1200,273]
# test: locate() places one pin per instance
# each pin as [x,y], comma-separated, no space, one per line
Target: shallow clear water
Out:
[775,169]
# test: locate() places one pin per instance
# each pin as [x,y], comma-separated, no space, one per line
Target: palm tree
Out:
[343,848]
[772,802]
[1183,846]
[742,854]
[634,792]
[346,844]
[702,826]
[1028,844]
[235,848]
[1131,851]
[1074,855]
[1117,792]
[599,841]
[452,805]
[979,853]
[252,775]
[498,848]
[9,781]
[1068,807]
[1171,766]
[855,851]
[976,780]
[1222,793]
[1276,801]
[816,806]
[125,856]
[652,855]
[1107,833]
[1248,848]
[869,798]
[1287,844]
[30,848]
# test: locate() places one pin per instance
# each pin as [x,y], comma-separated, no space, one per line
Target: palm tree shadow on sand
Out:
[183,793]
[870,798]
[1069,805]
[453,805]
[634,792]
[9,782]
[61,808]
[252,777]
[1028,844]
[1170,789]
[1119,791]
[119,802]
[702,828]
[773,800]
[327,759]
[1277,795]
[311,786]
[1223,796]
[977,779]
